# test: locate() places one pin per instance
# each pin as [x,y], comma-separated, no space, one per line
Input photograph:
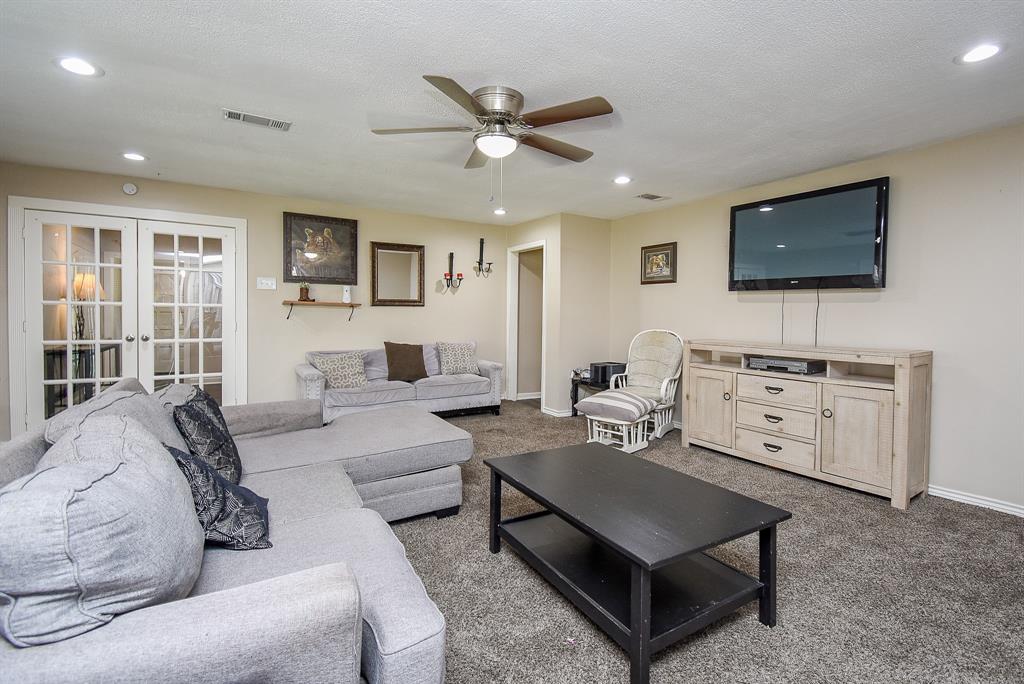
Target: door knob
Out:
[145,338]
[129,338]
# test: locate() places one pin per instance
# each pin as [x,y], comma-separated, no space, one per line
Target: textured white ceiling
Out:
[709,96]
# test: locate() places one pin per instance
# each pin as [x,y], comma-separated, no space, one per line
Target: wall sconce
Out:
[483,268]
[453,280]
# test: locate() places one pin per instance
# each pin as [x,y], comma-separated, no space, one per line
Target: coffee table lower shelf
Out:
[686,596]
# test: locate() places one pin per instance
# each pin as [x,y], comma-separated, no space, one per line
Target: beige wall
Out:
[955,285]
[473,312]
[531,310]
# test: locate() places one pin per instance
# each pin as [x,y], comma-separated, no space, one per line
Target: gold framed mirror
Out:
[396,274]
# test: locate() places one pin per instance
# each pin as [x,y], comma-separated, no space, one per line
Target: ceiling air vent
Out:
[257,120]
[652,198]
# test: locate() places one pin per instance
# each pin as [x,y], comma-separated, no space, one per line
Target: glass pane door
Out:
[81,283]
[186,307]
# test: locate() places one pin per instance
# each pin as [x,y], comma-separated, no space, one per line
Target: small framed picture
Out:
[658,263]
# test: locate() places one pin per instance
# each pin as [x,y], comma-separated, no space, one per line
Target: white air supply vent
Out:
[256,120]
[651,198]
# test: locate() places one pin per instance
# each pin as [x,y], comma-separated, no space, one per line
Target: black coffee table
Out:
[622,538]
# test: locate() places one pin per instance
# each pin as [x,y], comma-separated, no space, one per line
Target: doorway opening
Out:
[527,327]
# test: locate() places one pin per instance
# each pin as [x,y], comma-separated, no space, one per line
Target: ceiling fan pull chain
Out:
[490,174]
[501,183]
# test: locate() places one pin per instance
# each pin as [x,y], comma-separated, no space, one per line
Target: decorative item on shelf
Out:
[483,268]
[304,292]
[658,263]
[451,279]
[320,249]
[346,294]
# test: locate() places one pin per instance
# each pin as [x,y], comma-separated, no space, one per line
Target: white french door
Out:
[187,307]
[80,286]
[109,297]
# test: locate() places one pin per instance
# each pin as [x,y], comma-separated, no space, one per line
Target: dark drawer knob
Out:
[727,396]
[827,413]
[774,448]
[772,390]
[772,419]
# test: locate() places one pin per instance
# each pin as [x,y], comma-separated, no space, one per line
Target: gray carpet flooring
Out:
[866,593]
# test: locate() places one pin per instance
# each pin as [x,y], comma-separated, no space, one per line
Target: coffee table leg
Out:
[640,626]
[495,542]
[767,601]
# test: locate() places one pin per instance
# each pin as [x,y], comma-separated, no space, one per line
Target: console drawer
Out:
[775,448]
[776,419]
[778,390]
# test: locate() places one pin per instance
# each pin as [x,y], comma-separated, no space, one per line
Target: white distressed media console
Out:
[864,423]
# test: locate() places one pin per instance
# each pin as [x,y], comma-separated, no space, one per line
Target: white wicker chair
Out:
[653,368]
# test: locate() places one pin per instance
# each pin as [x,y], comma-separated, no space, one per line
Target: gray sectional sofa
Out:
[437,393]
[334,600]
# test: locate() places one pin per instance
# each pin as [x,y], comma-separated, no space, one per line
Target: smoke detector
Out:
[257,119]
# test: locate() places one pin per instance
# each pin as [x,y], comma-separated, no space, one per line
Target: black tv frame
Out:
[855,281]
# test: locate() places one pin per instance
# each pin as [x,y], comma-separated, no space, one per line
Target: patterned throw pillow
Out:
[343,370]
[458,358]
[206,432]
[231,515]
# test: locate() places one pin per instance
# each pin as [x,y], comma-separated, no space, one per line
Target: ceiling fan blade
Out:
[434,129]
[477,159]
[556,147]
[570,111]
[457,93]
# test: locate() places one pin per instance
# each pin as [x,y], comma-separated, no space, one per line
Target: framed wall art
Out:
[320,249]
[658,264]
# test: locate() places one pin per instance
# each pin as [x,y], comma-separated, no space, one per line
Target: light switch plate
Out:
[265,283]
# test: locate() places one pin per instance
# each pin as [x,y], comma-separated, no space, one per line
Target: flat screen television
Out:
[830,238]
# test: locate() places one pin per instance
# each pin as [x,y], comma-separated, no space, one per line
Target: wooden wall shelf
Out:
[292,303]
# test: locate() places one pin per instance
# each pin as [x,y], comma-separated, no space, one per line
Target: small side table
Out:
[574,391]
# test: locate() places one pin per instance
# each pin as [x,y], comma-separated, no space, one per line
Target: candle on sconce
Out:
[459,276]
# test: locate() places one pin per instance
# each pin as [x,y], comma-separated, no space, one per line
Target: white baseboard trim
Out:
[528,395]
[976,500]
[677,424]
[557,414]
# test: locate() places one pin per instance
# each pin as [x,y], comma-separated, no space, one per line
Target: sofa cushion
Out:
[372,445]
[232,516]
[443,386]
[405,361]
[137,405]
[458,357]
[616,405]
[304,492]
[371,394]
[341,369]
[104,525]
[403,631]
[201,423]
[375,362]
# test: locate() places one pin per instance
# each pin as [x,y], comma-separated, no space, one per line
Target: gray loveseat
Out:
[334,600]
[437,393]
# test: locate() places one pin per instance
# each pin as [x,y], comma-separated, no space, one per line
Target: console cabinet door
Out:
[856,434]
[710,406]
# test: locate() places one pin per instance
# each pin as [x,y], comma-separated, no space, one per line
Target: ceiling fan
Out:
[502,128]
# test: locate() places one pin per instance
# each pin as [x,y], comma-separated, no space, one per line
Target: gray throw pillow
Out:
[375,365]
[458,358]
[343,370]
[137,405]
[431,361]
[105,525]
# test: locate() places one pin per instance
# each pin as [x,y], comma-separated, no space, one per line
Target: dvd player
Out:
[801,366]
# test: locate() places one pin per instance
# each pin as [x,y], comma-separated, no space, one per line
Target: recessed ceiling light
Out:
[79,66]
[781,246]
[978,54]
[499,211]
[766,208]
[622,180]
[133,156]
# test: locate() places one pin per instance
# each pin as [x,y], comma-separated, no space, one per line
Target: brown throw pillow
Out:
[405,361]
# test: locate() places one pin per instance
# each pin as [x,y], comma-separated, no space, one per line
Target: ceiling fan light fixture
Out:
[496,142]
